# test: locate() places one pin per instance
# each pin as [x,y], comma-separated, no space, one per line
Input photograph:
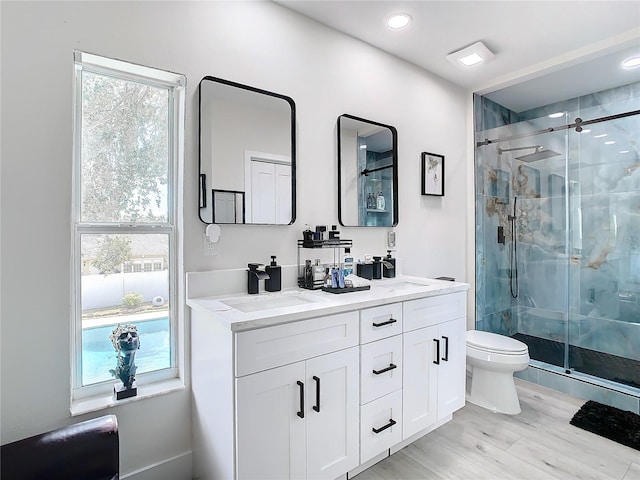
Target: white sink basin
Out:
[405,284]
[259,302]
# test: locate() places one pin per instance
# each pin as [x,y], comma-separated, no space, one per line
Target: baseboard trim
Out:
[179,467]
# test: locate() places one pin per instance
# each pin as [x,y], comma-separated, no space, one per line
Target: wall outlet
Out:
[209,247]
[391,239]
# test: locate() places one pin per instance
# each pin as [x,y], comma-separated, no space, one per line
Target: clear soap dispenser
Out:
[274,282]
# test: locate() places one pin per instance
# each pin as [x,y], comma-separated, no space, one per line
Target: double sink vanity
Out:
[305,383]
[309,384]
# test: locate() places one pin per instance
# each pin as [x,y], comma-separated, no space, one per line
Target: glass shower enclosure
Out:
[558,232]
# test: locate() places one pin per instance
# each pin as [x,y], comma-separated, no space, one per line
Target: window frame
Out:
[176,86]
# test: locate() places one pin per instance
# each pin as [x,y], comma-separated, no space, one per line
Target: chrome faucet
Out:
[254,277]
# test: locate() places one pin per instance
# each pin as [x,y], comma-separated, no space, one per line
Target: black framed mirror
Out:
[367,173]
[246,154]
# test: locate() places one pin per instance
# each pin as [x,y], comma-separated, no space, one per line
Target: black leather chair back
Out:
[84,451]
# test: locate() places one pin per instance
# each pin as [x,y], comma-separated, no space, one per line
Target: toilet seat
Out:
[494,343]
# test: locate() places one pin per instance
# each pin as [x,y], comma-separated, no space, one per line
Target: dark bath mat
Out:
[618,425]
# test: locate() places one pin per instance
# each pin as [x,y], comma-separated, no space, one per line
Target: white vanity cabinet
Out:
[299,420]
[434,355]
[276,402]
[327,387]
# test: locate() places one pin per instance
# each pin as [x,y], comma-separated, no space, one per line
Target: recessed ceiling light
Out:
[602,135]
[585,130]
[623,151]
[610,142]
[631,62]
[398,21]
[556,115]
[471,55]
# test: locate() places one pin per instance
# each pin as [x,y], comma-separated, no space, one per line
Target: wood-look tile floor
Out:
[537,444]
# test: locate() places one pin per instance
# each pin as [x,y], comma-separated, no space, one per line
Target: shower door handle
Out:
[437,360]
[446,349]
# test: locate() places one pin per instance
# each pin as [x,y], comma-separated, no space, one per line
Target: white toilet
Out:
[493,360]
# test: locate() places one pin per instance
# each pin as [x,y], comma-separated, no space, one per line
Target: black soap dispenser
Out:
[274,283]
[389,266]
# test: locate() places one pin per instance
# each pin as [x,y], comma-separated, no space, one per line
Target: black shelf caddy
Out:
[336,244]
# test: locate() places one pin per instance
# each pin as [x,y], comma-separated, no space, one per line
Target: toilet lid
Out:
[495,343]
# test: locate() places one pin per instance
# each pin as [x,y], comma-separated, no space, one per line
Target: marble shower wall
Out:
[577,223]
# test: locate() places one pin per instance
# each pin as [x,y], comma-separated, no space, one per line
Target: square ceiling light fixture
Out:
[472,55]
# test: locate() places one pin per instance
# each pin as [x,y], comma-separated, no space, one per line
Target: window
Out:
[128,129]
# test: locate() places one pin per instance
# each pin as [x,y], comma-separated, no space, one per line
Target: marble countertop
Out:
[246,312]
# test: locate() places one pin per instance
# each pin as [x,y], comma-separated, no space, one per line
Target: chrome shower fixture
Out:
[540,153]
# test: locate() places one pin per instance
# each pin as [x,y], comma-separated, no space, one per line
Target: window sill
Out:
[101,402]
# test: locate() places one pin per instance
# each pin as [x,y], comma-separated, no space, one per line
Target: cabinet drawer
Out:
[377,415]
[270,347]
[380,368]
[380,322]
[432,310]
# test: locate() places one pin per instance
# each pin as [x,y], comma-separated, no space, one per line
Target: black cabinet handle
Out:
[316,407]
[301,412]
[391,423]
[390,367]
[382,324]
[437,360]
[446,349]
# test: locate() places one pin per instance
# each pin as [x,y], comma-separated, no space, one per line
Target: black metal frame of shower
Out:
[578,124]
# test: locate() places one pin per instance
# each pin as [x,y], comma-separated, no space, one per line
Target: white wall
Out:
[255,43]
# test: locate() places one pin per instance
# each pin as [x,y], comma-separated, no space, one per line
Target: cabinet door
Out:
[332,404]
[420,380]
[270,434]
[451,371]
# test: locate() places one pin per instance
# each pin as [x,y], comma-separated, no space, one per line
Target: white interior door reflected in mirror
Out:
[268,188]
[367,173]
[237,122]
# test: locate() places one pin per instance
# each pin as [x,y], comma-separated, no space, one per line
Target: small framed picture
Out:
[432,174]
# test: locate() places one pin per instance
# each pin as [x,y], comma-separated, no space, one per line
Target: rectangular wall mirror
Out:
[247,154]
[367,173]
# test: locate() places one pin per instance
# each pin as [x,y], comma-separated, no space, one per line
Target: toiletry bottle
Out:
[321,233]
[274,282]
[380,201]
[318,274]
[334,234]
[347,262]
[389,266]
[308,275]
[307,237]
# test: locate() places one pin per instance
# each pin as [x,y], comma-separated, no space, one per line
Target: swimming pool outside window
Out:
[127,130]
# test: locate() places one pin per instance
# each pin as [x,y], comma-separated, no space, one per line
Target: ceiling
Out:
[538,44]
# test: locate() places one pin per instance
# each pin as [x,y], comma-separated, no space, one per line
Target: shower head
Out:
[540,153]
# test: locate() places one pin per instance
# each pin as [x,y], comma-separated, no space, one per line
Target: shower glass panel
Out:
[526,279]
[558,233]
[604,219]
